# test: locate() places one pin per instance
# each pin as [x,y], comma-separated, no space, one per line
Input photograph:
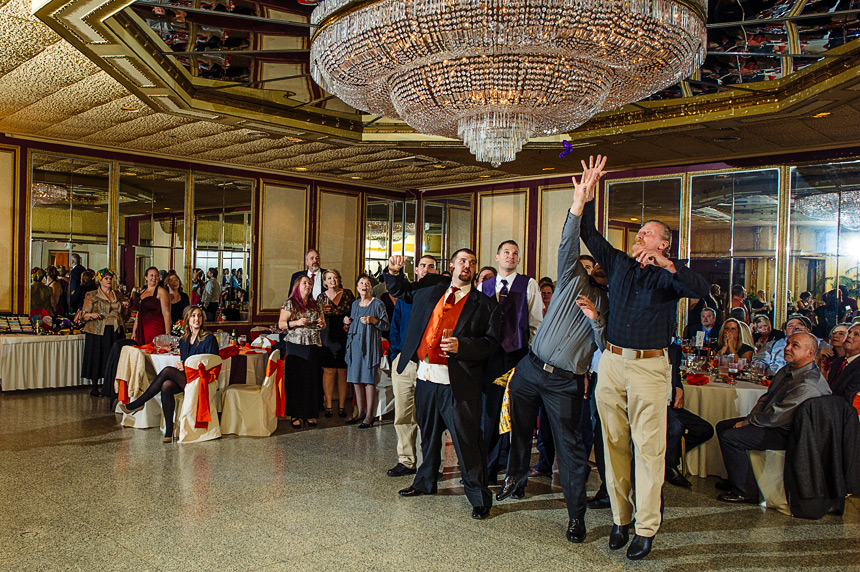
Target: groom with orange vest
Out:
[450,370]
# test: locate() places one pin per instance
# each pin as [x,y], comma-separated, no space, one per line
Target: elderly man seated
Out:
[767,425]
[844,377]
[771,354]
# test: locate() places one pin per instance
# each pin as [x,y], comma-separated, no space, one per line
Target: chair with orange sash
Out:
[197,419]
[252,410]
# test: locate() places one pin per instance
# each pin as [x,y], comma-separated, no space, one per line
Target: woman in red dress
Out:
[153,314]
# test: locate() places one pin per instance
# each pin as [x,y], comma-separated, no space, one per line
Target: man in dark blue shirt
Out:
[634,371]
[403,384]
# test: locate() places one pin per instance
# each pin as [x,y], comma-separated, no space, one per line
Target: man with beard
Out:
[452,331]
[553,372]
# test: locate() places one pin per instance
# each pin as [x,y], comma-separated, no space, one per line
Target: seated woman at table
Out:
[41,297]
[103,316]
[195,340]
[178,299]
[367,320]
[735,338]
[153,314]
[763,332]
[336,303]
[302,319]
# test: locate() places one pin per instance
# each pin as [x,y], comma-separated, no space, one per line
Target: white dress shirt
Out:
[533,300]
[317,281]
[434,372]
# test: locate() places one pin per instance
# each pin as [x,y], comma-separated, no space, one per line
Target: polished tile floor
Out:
[77,492]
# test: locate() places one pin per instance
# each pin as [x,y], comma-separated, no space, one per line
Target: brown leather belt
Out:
[633,354]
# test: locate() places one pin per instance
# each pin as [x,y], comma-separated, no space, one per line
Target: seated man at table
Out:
[771,354]
[767,425]
[844,378]
[681,424]
[708,324]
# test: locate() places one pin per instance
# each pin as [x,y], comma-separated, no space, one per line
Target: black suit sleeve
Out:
[484,339]
[399,286]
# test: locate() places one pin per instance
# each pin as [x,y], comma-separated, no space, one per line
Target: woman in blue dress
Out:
[195,340]
[367,321]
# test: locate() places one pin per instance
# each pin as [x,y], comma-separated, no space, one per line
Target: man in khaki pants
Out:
[634,372]
[403,384]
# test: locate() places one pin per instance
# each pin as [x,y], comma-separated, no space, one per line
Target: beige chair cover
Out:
[250,409]
[187,422]
[137,372]
[768,469]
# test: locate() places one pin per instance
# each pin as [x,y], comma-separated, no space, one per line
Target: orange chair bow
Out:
[206,376]
[278,367]
[123,391]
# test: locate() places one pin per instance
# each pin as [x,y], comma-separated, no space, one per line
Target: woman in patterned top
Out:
[302,320]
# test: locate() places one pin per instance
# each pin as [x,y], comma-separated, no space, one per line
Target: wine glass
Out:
[446,333]
[733,366]
[243,339]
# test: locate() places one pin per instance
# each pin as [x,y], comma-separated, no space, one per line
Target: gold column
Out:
[783,246]
[188,247]
[684,231]
[113,217]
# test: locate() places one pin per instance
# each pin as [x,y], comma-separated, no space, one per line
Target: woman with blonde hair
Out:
[195,340]
[735,338]
[336,303]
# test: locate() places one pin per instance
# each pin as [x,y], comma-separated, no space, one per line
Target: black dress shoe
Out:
[400,470]
[480,512]
[640,547]
[341,412]
[597,503]
[410,491]
[511,489]
[619,536]
[576,530]
[737,498]
[724,485]
[674,477]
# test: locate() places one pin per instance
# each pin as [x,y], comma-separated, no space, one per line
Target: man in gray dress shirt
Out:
[553,372]
[767,425]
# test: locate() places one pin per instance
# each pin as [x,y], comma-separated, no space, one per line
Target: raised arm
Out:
[399,286]
[568,248]
[599,247]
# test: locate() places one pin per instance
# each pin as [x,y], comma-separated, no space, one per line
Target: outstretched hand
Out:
[396,263]
[584,189]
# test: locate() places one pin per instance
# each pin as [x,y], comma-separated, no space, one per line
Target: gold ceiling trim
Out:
[110,34]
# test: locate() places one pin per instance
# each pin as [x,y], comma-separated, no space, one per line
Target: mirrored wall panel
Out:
[389,228]
[447,226]
[633,203]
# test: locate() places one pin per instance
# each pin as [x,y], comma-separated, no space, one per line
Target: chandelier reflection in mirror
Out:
[495,73]
[842,207]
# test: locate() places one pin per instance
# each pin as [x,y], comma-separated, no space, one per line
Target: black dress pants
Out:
[437,410]
[694,430]
[497,445]
[561,398]
[734,443]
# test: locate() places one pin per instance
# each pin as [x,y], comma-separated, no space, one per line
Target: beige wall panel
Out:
[501,217]
[7,229]
[338,234]
[283,236]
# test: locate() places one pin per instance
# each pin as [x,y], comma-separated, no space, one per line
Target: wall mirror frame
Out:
[447,224]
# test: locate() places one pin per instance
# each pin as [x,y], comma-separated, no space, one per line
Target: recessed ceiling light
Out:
[301,168]
[484,176]
[822,114]
[728,139]
[634,219]
[129,109]
[295,139]
[438,166]
[356,178]
[548,169]
[167,208]
[130,174]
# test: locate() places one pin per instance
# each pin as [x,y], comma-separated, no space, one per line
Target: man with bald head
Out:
[767,425]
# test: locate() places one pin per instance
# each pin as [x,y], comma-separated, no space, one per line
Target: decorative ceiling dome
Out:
[495,73]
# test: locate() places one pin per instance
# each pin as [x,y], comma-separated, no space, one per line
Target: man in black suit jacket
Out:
[707,324]
[76,297]
[844,375]
[448,391]
[312,263]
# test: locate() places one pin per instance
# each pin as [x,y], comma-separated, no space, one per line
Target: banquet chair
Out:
[197,415]
[251,409]
[768,467]
[134,373]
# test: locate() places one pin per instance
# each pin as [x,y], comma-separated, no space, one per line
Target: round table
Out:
[714,402]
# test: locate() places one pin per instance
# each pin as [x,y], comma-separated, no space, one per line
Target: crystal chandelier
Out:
[495,73]
[48,193]
[840,207]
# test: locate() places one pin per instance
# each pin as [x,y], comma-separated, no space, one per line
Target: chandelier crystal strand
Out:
[519,68]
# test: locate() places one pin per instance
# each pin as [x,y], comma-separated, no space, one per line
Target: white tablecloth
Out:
[39,362]
[714,402]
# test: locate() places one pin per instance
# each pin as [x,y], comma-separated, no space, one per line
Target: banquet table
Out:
[40,362]
[714,402]
[247,368]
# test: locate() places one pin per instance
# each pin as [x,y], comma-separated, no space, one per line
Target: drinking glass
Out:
[243,340]
[446,333]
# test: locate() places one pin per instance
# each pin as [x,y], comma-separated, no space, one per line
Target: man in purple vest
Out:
[521,310]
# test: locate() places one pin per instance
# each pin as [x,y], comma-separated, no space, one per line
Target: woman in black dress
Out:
[177,298]
[336,303]
[302,320]
[103,314]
